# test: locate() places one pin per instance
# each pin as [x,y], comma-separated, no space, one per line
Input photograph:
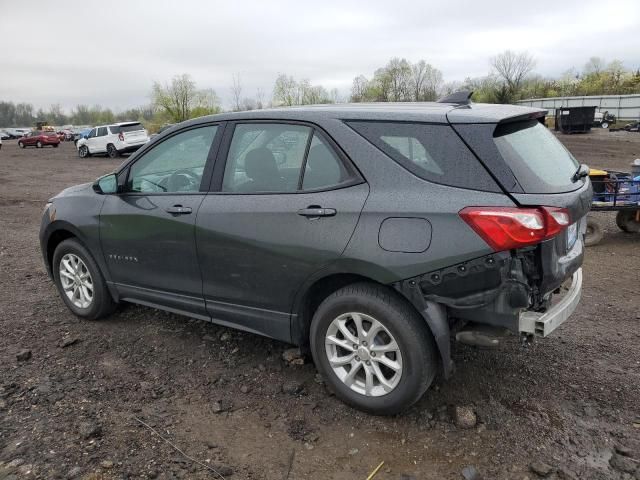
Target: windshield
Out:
[537,158]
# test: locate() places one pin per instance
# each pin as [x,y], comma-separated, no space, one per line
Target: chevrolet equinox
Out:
[370,235]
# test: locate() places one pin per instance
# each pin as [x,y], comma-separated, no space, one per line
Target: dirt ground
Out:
[76,407]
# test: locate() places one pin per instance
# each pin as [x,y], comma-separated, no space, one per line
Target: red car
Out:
[39,139]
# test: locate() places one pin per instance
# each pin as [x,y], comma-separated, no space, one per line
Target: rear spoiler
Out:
[540,116]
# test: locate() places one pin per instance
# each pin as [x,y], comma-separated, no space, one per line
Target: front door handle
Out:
[314,211]
[178,210]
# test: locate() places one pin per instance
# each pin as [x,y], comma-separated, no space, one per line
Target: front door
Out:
[92,141]
[148,231]
[269,227]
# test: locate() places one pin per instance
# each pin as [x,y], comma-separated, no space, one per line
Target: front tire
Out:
[83,151]
[39,144]
[80,282]
[604,124]
[374,350]
[112,151]
[21,145]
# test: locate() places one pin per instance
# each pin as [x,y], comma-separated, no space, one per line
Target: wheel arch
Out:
[58,232]
[320,287]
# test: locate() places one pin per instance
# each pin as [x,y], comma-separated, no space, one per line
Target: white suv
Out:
[113,139]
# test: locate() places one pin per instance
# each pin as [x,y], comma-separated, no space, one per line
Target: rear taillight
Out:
[506,228]
[121,137]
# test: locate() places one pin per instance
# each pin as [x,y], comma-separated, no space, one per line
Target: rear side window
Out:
[323,168]
[432,152]
[538,160]
[114,129]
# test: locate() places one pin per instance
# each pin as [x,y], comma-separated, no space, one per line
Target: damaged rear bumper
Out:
[542,324]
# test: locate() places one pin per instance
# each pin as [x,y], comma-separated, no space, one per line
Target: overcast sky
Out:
[110,52]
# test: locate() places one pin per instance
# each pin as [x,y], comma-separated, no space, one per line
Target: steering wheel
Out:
[183,178]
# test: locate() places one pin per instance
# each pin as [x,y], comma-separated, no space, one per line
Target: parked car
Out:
[17,132]
[4,135]
[65,135]
[380,230]
[113,140]
[632,127]
[81,133]
[39,139]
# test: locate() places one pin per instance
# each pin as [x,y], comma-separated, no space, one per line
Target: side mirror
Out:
[85,136]
[106,184]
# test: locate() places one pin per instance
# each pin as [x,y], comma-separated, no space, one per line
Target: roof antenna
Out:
[462,97]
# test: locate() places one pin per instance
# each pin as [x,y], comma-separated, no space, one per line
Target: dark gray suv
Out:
[370,235]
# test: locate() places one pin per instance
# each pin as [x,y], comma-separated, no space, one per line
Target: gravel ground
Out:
[91,400]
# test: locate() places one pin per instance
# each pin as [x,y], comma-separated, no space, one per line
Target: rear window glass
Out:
[537,158]
[432,152]
[128,128]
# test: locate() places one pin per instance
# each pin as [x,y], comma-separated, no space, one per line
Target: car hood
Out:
[74,191]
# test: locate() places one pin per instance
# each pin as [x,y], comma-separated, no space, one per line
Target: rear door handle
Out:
[314,211]
[178,210]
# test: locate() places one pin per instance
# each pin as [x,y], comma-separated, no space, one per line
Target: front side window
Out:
[174,165]
[433,152]
[265,157]
[102,131]
[92,133]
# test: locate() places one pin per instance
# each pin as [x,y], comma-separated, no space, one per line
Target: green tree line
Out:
[511,77]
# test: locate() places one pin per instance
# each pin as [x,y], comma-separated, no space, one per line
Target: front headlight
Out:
[51,209]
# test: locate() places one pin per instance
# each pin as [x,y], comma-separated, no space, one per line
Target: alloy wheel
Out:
[76,280]
[363,354]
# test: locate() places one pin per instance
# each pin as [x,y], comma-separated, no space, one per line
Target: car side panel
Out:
[397,193]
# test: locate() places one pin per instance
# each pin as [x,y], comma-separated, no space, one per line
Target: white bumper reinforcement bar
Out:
[542,324]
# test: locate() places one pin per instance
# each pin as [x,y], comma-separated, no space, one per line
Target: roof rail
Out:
[463,97]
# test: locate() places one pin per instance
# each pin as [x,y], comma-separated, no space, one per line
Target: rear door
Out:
[283,205]
[147,231]
[537,170]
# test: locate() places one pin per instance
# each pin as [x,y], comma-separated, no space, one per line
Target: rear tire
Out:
[55,145]
[594,233]
[39,144]
[626,221]
[112,151]
[410,361]
[101,303]
[604,124]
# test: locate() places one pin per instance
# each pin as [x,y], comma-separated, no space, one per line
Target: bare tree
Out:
[180,99]
[359,88]
[426,82]
[595,65]
[259,99]
[285,91]
[236,91]
[513,68]
[399,77]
